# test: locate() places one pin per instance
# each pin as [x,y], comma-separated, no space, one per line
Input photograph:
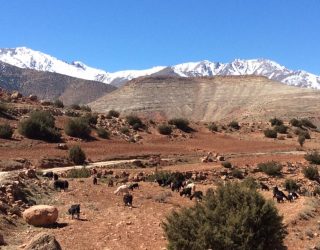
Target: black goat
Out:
[61,184]
[48,174]
[55,177]
[177,185]
[127,199]
[74,210]
[197,194]
[186,192]
[133,186]
[95,181]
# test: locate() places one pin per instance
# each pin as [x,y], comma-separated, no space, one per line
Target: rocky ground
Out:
[105,223]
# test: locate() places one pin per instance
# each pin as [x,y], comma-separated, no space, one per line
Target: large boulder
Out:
[41,215]
[43,241]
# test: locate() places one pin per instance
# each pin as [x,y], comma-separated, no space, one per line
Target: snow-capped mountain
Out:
[26,58]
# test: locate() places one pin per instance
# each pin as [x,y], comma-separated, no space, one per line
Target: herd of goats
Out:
[177,181]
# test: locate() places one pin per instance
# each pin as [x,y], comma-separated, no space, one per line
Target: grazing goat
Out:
[74,210]
[177,185]
[197,194]
[122,189]
[186,192]
[127,199]
[192,186]
[279,195]
[95,181]
[264,186]
[133,186]
[61,184]
[48,174]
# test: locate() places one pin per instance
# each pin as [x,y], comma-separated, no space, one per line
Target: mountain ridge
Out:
[26,58]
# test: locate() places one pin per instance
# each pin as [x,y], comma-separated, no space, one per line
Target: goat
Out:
[127,199]
[197,194]
[133,186]
[186,192]
[122,189]
[61,184]
[177,185]
[74,210]
[95,181]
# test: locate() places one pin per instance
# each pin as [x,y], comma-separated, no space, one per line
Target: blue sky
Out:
[137,34]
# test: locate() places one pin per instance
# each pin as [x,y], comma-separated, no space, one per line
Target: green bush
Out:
[226,164]
[160,175]
[165,129]
[134,121]
[85,108]
[113,113]
[302,132]
[58,104]
[282,129]
[313,157]
[276,122]
[291,185]
[311,172]
[91,119]
[234,125]
[40,125]
[237,173]
[6,131]
[250,182]
[79,173]
[213,127]
[301,140]
[124,130]
[76,155]
[295,122]
[307,123]
[270,168]
[78,127]
[270,133]
[234,217]
[180,123]
[75,107]
[102,133]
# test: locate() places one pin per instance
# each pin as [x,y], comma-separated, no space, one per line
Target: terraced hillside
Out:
[213,98]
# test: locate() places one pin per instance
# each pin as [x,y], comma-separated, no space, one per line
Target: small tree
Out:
[213,127]
[282,129]
[311,172]
[291,185]
[134,121]
[77,155]
[234,217]
[102,133]
[270,168]
[165,129]
[113,113]
[276,122]
[313,157]
[40,125]
[6,131]
[295,122]
[301,140]
[58,104]
[234,125]
[85,108]
[270,133]
[180,123]
[78,127]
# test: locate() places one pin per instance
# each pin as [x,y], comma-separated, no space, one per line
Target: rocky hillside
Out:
[51,86]
[211,98]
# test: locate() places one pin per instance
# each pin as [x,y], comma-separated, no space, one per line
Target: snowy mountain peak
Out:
[23,57]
